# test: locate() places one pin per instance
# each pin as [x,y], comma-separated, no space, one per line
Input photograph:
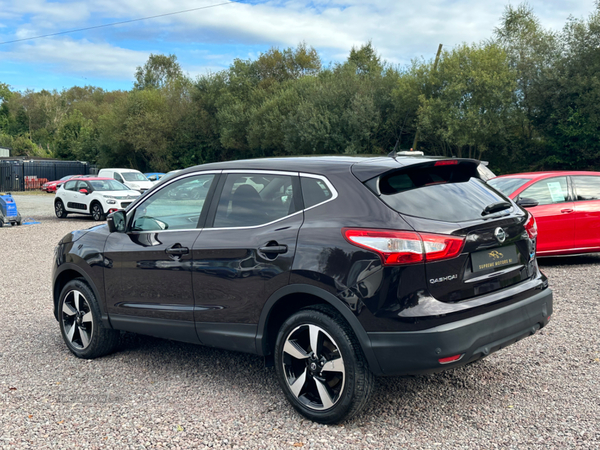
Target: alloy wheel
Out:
[96,212]
[77,320]
[313,367]
[59,209]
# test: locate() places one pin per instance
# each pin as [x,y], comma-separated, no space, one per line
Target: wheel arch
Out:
[70,272]
[290,299]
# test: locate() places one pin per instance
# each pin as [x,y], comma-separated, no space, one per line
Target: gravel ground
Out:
[542,392]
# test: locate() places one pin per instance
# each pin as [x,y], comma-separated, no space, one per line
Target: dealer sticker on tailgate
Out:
[491,259]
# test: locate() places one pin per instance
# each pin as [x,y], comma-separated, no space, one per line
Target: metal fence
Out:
[18,175]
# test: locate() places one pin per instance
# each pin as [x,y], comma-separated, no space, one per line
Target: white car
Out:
[131,178]
[94,196]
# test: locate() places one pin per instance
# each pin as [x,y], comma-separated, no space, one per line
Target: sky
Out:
[209,39]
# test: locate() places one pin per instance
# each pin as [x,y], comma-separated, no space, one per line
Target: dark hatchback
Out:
[336,269]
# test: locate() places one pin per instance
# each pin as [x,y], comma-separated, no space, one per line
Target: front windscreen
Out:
[108,185]
[134,176]
[508,185]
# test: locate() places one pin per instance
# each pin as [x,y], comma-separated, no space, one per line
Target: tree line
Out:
[527,98]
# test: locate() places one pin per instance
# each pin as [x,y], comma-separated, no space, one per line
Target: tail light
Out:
[531,227]
[405,247]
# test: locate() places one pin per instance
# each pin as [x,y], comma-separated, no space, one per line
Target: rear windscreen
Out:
[450,193]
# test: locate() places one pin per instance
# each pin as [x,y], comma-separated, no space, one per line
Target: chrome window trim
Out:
[175,178]
[334,192]
[334,195]
[261,171]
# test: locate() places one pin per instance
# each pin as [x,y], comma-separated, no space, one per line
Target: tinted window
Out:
[254,199]
[314,191]
[586,187]
[447,192]
[547,192]
[118,177]
[508,185]
[175,207]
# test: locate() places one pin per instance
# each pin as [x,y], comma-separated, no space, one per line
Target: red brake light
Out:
[531,227]
[446,162]
[405,247]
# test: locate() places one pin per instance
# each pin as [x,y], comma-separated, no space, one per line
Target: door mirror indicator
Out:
[527,202]
[116,221]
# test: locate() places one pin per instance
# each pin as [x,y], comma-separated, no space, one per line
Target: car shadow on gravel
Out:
[395,399]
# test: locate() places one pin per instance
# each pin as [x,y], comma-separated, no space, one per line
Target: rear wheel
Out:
[320,366]
[80,324]
[97,212]
[59,209]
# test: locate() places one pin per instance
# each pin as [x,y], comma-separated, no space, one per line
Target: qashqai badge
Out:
[500,234]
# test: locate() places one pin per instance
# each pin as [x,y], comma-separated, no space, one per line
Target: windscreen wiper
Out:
[495,207]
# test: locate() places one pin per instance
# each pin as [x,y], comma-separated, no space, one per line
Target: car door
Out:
[245,254]
[586,189]
[149,282]
[67,194]
[553,214]
[79,201]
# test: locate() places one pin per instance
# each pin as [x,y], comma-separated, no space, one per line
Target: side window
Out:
[547,192]
[254,199]
[177,206]
[314,191]
[70,185]
[586,187]
[118,177]
[82,185]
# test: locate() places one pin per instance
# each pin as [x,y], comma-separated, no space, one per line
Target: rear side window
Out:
[254,199]
[70,185]
[587,187]
[451,193]
[314,191]
[547,192]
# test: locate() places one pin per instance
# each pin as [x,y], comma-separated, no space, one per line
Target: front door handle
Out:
[566,211]
[177,250]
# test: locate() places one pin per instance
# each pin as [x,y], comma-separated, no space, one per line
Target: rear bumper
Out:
[418,352]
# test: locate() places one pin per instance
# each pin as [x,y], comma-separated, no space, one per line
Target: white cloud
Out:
[399,29]
[80,57]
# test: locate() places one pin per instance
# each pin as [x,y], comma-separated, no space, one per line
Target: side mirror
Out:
[83,191]
[116,221]
[526,202]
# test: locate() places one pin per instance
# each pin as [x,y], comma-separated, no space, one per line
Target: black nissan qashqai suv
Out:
[335,269]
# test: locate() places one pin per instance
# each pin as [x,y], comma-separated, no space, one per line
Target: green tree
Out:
[158,71]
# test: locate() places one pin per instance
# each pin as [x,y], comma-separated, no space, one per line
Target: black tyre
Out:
[80,324]
[59,209]
[97,212]
[321,367]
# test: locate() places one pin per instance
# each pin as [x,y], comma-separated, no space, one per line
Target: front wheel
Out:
[321,367]
[80,324]
[97,212]
[59,209]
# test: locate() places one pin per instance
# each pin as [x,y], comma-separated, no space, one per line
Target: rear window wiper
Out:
[495,207]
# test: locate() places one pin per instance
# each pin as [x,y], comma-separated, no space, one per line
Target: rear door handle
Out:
[566,211]
[177,250]
[279,249]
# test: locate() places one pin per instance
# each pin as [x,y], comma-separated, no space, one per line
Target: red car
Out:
[51,186]
[566,207]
